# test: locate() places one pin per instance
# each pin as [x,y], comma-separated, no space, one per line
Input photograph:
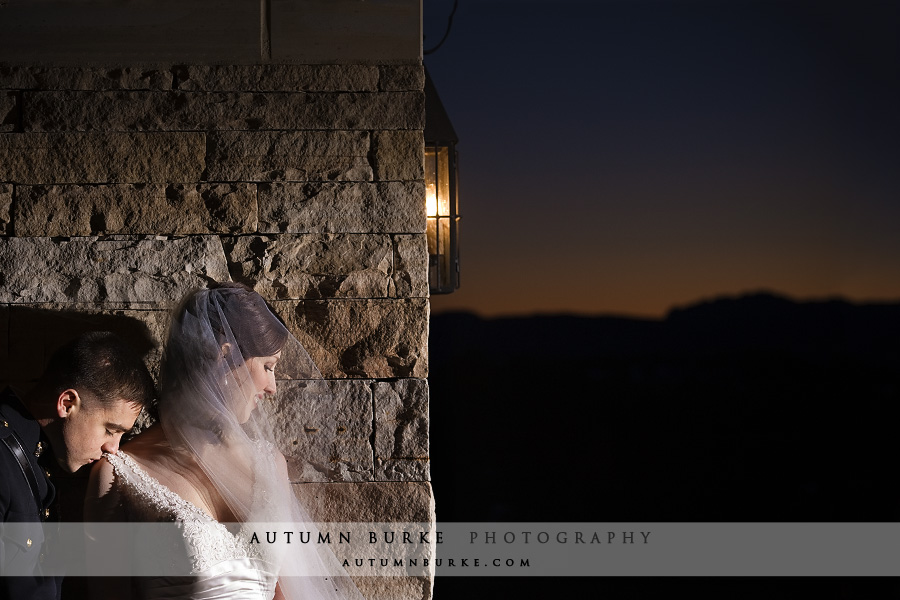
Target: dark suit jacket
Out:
[21,546]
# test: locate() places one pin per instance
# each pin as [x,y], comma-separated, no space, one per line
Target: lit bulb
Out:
[430,201]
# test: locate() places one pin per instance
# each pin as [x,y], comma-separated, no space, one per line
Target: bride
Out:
[209,464]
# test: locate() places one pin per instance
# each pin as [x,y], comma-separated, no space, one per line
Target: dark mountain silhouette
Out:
[756,408]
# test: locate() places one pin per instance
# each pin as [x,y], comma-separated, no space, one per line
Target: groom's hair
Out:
[103,365]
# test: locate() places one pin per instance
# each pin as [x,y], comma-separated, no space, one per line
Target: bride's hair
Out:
[212,333]
[253,323]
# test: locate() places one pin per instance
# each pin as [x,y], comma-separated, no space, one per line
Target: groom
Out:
[91,393]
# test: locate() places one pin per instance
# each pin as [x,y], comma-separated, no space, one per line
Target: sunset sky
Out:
[627,156]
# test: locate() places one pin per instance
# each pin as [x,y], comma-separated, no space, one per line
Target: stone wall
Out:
[123,187]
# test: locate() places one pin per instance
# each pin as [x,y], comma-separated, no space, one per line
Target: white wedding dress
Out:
[223,565]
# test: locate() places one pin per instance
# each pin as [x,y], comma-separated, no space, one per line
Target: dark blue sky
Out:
[627,156]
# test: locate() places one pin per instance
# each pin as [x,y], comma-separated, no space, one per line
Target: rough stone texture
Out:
[410,273]
[47,158]
[401,78]
[84,78]
[9,111]
[418,585]
[180,111]
[36,330]
[383,502]
[289,156]
[313,266]
[362,338]
[150,271]
[396,588]
[394,207]
[6,197]
[399,155]
[393,502]
[401,430]
[176,209]
[280,78]
[324,428]
[218,78]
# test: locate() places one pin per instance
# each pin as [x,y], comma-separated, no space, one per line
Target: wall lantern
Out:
[441,200]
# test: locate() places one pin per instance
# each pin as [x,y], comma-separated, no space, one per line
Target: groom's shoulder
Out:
[15,492]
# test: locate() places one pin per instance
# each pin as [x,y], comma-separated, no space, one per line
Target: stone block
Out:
[401,430]
[289,156]
[395,588]
[401,78]
[394,207]
[410,274]
[289,266]
[362,338]
[278,78]
[324,428]
[84,78]
[9,110]
[174,209]
[6,198]
[35,331]
[47,158]
[399,155]
[382,502]
[139,271]
[188,111]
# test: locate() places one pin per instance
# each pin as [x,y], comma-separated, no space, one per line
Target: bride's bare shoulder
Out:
[145,448]
[155,456]
[148,447]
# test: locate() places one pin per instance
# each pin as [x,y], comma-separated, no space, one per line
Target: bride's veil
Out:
[207,412]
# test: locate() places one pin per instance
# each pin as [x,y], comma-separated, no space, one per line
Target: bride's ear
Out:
[231,355]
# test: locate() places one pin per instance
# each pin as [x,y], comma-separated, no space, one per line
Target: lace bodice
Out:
[209,542]
[224,564]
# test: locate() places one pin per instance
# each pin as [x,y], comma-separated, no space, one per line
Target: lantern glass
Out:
[440,208]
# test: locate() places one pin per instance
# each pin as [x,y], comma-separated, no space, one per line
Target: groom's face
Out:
[90,428]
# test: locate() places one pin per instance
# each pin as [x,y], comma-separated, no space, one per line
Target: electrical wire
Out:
[449,26]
